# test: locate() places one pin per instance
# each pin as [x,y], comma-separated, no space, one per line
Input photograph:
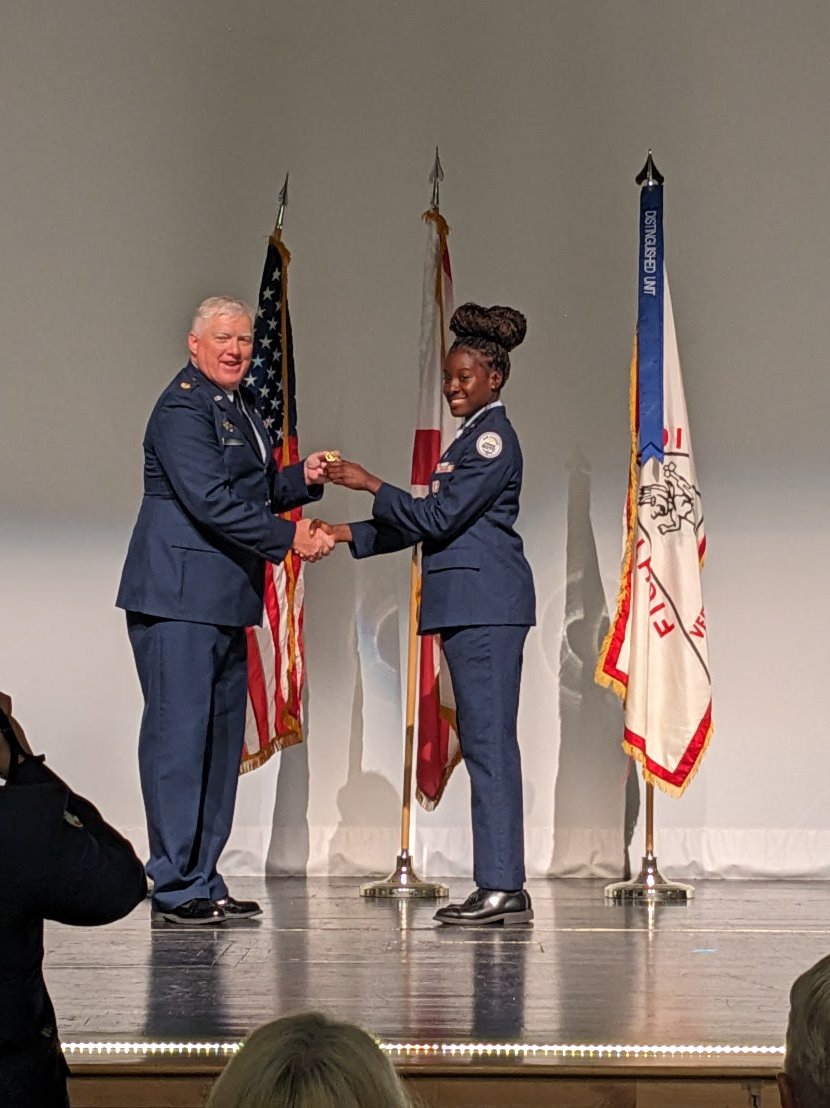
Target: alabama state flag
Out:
[438,747]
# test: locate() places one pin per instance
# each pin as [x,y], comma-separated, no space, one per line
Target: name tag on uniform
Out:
[233,442]
[444,467]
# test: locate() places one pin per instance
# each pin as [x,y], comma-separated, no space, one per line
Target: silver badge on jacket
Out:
[489,444]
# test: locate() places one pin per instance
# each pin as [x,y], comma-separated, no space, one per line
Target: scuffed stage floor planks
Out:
[711,974]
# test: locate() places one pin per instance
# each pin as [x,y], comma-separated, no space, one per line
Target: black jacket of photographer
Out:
[59,860]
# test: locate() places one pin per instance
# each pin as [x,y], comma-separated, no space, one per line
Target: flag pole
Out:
[282,201]
[404,882]
[649,886]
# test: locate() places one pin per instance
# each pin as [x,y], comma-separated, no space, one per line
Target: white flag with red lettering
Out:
[656,653]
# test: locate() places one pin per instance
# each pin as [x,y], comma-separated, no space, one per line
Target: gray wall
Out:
[143,145]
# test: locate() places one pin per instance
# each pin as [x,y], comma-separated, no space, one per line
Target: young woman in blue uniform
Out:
[477,593]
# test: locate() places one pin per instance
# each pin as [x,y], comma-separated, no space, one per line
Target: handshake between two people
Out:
[314,538]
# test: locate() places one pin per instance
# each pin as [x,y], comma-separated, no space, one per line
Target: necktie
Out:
[236,400]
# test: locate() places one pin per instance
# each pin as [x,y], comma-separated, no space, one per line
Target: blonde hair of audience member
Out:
[805,1082]
[309,1061]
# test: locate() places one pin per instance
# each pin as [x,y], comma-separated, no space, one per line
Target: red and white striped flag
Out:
[656,653]
[438,748]
[275,651]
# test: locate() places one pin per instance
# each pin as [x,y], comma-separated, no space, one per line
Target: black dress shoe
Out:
[488,906]
[238,909]
[198,911]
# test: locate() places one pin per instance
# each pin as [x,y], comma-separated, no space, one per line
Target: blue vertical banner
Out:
[650,325]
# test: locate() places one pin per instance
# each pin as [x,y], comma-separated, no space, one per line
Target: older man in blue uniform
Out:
[193,580]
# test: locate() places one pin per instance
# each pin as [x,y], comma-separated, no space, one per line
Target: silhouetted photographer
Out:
[59,860]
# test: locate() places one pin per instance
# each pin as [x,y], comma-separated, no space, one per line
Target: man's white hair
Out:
[807,1062]
[219,305]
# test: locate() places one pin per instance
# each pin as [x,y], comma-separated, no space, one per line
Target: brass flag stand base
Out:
[649,886]
[404,882]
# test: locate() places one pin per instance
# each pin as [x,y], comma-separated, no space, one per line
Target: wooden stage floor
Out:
[597,993]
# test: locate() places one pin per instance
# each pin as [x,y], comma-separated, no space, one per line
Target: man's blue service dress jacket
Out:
[206,525]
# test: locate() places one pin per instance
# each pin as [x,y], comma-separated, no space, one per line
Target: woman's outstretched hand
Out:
[340,532]
[351,475]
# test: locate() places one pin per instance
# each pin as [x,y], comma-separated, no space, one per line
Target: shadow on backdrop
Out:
[367,800]
[596,796]
[288,850]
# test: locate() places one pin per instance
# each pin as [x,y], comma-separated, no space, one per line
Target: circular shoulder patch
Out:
[489,444]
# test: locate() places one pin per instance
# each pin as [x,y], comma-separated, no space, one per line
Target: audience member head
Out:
[805,1082]
[309,1061]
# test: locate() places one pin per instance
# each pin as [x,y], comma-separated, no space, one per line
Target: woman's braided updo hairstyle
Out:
[491,332]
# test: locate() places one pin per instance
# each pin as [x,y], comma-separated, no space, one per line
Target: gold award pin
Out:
[185,385]
[332,456]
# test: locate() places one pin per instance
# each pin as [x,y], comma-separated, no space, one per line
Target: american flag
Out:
[438,747]
[275,650]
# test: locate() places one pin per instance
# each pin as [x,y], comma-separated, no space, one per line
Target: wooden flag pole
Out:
[404,881]
[649,886]
[649,818]
[411,694]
